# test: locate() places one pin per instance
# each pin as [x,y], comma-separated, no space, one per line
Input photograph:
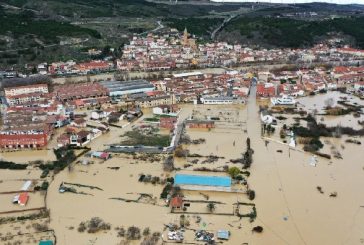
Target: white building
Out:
[266,118]
[222,100]
[359,86]
[28,89]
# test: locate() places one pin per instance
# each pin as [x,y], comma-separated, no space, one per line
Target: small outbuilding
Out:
[223,234]
[176,203]
[21,199]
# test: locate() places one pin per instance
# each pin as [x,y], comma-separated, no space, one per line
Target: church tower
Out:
[185,37]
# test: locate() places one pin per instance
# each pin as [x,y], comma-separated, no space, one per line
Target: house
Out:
[266,90]
[221,100]
[28,89]
[101,155]
[167,122]
[81,138]
[172,110]
[79,123]
[99,114]
[57,121]
[266,118]
[63,140]
[176,202]
[23,140]
[21,199]
[153,101]
[359,86]
[115,117]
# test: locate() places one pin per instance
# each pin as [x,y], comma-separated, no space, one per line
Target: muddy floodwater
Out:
[289,206]
[318,102]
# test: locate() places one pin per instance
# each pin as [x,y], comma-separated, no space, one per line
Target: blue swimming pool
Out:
[186,179]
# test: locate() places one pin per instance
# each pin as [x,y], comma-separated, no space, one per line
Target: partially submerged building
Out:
[219,100]
[21,199]
[200,124]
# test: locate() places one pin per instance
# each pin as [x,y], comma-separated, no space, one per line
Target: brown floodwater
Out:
[289,207]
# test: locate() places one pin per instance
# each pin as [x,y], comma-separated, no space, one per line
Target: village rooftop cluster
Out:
[33,112]
[173,51]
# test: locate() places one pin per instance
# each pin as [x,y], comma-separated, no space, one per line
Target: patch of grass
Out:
[135,137]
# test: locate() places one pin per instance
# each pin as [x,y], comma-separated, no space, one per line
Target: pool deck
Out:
[210,188]
[202,180]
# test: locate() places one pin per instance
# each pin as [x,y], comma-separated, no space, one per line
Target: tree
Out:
[211,207]
[233,172]
[168,164]
[133,233]
[180,152]
[251,194]
[146,231]
[258,229]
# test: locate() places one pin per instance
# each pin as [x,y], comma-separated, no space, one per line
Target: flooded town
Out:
[181,142]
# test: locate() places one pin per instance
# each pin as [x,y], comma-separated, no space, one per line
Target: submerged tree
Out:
[168,164]
[211,207]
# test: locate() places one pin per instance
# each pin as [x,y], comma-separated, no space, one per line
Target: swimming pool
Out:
[186,179]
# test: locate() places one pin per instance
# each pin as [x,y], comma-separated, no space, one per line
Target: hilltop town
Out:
[185,141]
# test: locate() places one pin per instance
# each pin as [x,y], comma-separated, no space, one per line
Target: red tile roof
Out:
[176,202]
[23,198]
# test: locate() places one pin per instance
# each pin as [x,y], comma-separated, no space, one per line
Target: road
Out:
[160,26]
[226,21]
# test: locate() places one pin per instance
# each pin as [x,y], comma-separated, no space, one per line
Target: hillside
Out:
[288,32]
[34,31]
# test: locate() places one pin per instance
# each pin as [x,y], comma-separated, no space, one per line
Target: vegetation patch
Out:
[94,225]
[196,26]
[136,137]
[12,165]
[278,31]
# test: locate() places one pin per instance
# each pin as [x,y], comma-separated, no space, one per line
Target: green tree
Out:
[211,207]
[233,172]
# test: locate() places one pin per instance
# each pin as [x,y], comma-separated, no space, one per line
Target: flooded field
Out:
[26,156]
[318,102]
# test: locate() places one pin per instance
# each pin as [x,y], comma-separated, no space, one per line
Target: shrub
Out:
[168,164]
[211,207]
[251,194]
[146,231]
[44,186]
[121,232]
[12,165]
[258,229]
[239,177]
[133,233]
[233,172]
[180,152]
